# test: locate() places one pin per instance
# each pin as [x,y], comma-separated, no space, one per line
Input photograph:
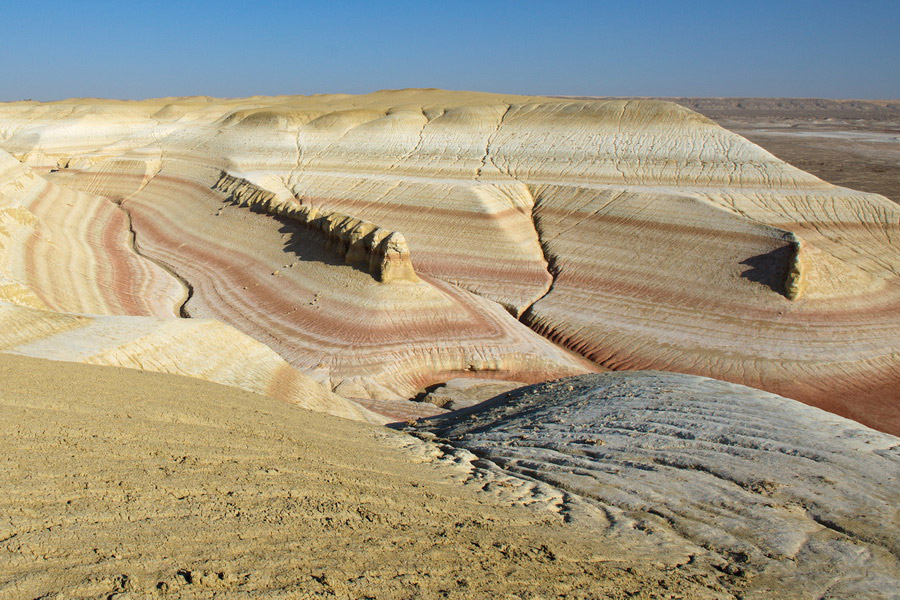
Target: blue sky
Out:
[126,49]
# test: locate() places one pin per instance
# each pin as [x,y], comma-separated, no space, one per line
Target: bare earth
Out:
[855,143]
[118,483]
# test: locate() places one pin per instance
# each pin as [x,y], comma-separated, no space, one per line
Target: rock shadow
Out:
[769,269]
[308,244]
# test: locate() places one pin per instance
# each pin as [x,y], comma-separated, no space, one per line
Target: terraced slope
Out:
[70,251]
[73,288]
[637,234]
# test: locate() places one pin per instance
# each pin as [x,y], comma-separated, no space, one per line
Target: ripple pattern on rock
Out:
[785,494]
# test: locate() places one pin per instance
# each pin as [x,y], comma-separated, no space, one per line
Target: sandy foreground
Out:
[120,483]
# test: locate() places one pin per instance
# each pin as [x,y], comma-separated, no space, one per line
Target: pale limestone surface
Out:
[791,499]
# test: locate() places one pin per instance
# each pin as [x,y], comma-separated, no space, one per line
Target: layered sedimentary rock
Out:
[285,284]
[791,499]
[635,233]
[199,348]
[64,253]
[67,250]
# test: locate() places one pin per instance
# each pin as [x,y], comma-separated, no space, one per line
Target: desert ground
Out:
[246,345]
[121,483]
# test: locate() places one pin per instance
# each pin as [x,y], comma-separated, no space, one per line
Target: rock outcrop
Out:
[385,254]
[789,499]
[278,281]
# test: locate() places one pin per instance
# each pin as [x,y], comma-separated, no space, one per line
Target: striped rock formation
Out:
[199,348]
[289,286]
[385,338]
[637,234]
[71,252]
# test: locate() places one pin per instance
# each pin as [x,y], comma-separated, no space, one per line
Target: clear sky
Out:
[129,49]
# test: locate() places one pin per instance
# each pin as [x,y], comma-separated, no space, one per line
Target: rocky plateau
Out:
[258,285]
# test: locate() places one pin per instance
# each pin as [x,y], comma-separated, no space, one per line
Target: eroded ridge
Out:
[795,279]
[384,253]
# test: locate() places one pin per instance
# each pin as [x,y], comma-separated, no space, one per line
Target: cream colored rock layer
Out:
[199,348]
